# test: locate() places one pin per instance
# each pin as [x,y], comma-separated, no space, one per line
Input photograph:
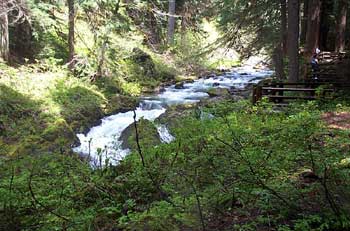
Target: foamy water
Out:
[102,143]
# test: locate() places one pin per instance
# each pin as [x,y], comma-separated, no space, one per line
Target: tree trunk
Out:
[325,23]
[304,22]
[4,36]
[171,22]
[341,26]
[278,63]
[312,33]
[71,35]
[283,4]
[293,40]
[281,47]
[313,28]
[101,59]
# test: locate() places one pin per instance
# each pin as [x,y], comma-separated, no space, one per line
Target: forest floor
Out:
[337,120]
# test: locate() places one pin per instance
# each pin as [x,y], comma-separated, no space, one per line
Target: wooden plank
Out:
[311,82]
[290,97]
[293,89]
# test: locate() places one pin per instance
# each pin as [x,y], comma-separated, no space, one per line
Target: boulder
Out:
[148,135]
[179,85]
[218,92]
[121,103]
[189,81]
[172,117]
[143,63]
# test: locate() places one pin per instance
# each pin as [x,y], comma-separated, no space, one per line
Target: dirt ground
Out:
[337,120]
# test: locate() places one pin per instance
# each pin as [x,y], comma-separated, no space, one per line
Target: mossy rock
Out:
[80,106]
[172,117]
[58,129]
[121,103]
[180,85]
[144,61]
[147,71]
[28,146]
[218,92]
[148,135]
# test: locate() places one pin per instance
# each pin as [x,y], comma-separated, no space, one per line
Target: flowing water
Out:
[102,142]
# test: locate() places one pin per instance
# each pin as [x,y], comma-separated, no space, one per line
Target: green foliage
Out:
[147,134]
[248,168]
[79,106]
[250,27]
[49,30]
[245,169]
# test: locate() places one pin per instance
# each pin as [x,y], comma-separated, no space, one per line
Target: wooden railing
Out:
[284,92]
[333,75]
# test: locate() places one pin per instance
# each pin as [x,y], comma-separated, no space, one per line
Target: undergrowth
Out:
[248,168]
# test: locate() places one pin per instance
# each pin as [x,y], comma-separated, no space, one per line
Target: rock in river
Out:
[218,92]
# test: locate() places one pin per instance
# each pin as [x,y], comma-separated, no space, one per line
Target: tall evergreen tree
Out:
[281,47]
[341,25]
[293,40]
[71,36]
[313,27]
[304,21]
[4,33]
[171,21]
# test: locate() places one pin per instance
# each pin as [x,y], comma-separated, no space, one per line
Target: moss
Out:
[146,71]
[174,115]
[79,106]
[218,92]
[29,146]
[121,103]
[148,135]
[53,131]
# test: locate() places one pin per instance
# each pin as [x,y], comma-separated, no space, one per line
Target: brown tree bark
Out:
[325,23]
[304,22]
[283,4]
[278,63]
[293,40]
[341,26]
[313,28]
[281,47]
[312,33]
[171,22]
[4,36]
[71,36]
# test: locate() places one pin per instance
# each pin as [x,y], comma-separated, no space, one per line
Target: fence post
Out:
[257,94]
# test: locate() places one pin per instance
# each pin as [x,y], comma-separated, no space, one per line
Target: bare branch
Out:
[36,201]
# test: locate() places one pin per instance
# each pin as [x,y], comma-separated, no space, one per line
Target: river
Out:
[102,141]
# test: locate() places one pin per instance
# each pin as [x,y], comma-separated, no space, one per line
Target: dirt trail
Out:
[337,120]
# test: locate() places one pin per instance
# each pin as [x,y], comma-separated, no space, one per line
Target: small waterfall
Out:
[102,142]
[164,134]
